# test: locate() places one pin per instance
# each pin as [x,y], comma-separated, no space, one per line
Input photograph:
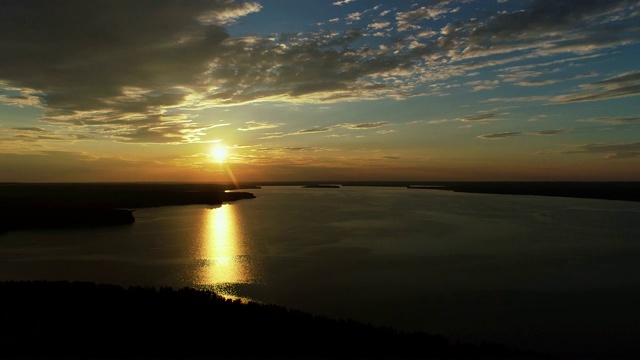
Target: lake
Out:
[550,274]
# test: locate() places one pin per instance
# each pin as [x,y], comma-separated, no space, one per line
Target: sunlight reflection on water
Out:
[223,252]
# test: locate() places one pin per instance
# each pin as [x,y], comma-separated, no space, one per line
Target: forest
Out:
[45,319]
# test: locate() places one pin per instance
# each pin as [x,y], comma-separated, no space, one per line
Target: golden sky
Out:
[319,90]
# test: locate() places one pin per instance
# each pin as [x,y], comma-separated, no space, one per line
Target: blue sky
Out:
[319,90]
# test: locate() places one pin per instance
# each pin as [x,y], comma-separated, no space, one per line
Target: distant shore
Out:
[606,190]
[625,191]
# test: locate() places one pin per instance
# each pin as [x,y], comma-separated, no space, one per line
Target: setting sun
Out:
[219,154]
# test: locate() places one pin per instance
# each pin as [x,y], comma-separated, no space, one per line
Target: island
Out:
[425,186]
[322,186]
[37,206]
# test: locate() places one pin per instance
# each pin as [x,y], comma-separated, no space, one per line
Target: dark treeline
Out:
[28,206]
[116,195]
[79,319]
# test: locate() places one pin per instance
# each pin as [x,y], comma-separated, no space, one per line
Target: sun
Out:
[219,154]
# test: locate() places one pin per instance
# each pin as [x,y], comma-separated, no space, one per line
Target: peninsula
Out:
[34,206]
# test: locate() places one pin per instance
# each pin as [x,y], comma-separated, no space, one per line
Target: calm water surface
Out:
[522,270]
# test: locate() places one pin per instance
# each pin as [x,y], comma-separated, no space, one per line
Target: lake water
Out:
[552,274]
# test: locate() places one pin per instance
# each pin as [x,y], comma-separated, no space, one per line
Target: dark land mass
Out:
[31,206]
[321,186]
[607,190]
[46,319]
[626,191]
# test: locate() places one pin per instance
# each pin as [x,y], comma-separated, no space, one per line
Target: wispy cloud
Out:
[611,151]
[362,126]
[255,125]
[622,85]
[37,134]
[504,135]
[614,120]
[519,99]
[299,132]
[479,117]
[501,135]
[349,126]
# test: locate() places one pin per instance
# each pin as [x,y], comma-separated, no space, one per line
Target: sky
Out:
[315,90]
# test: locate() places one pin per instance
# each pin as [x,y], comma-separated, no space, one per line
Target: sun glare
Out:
[219,154]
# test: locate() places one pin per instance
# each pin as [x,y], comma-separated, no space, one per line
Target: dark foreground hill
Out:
[88,320]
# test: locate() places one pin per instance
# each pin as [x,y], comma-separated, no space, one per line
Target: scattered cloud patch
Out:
[384,132]
[343,2]
[409,19]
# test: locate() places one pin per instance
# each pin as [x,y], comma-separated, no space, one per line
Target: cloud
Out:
[407,20]
[21,97]
[503,135]
[284,148]
[614,120]
[313,130]
[548,132]
[479,85]
[519,99]
[612,151]
[343,2]
[37,134]
[379,25]
[299,132]
[479,117]
[354,16]
[118,59]
[135,75]
[362,126]
[549,27]
[254,125]
[537,83]
[622,85]
[384,132]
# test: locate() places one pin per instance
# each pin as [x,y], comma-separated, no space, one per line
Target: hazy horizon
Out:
[282,90]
